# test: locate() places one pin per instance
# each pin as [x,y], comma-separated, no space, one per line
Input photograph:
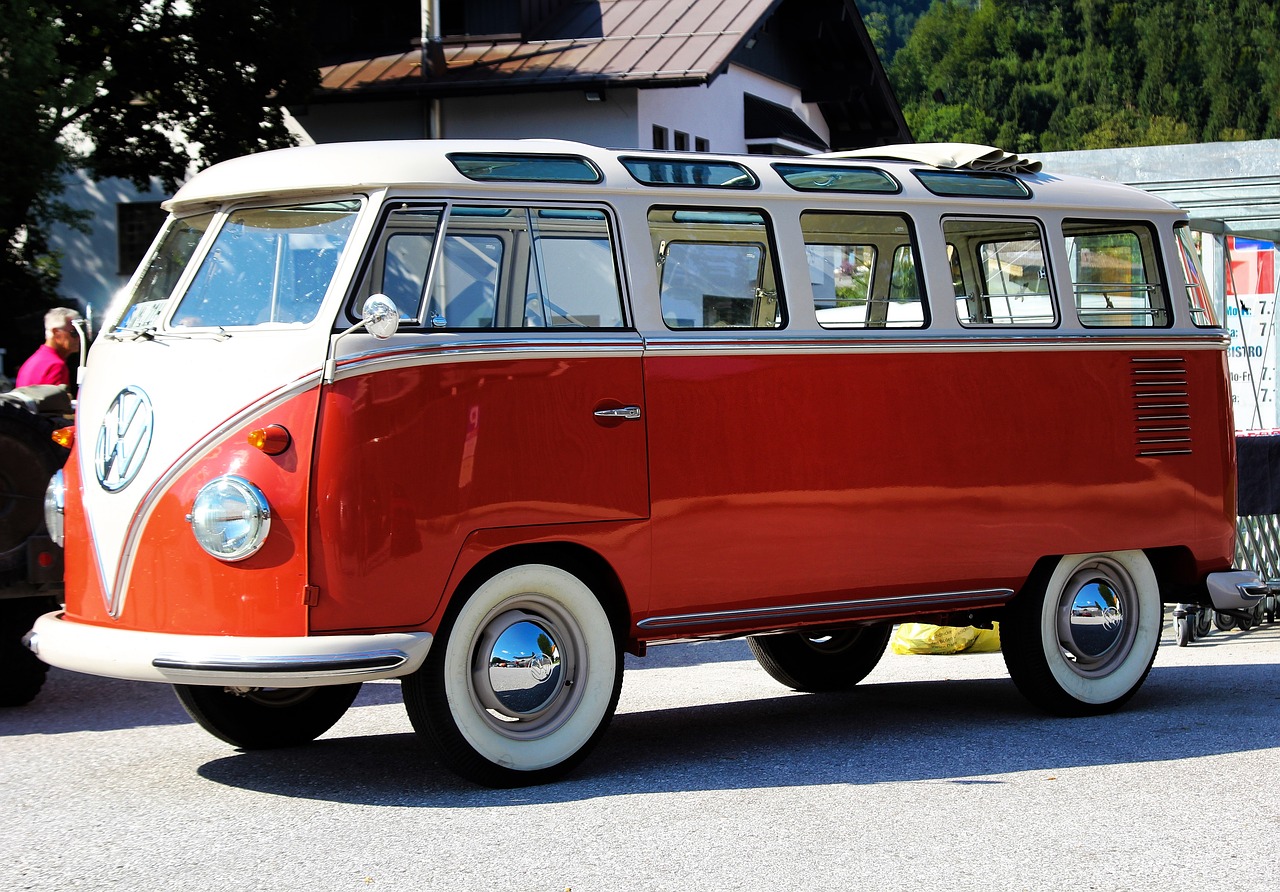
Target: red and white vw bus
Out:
[485,416]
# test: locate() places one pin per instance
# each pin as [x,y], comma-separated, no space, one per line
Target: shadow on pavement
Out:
[966,732]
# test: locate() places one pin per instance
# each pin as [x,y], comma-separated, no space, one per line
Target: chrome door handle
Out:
[631,412]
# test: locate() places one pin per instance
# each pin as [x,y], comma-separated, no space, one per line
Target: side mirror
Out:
[381,316]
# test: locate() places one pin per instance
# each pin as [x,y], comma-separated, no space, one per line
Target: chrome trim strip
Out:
[663,346]
[630,343]
[822,608]
[401,356]
[335,664]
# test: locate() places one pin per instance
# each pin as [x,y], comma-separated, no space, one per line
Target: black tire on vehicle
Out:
[28,458]
[1204,621]
[266,718]
[479,707]
[819,662]
[22,673]
[1186,629]
[1081,640]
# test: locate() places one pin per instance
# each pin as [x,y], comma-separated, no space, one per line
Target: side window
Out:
[500,267]
[1115,273]
[716,269]
[464,289]
[1202,313]
[1001,272]
[403,256]
[573,280]
[851,289]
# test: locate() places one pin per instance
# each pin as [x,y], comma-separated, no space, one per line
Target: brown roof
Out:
[598,43]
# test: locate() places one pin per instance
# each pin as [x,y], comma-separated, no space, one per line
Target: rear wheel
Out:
[1082,640]
[266,718]
[821,661]
[28,458]
[521,684]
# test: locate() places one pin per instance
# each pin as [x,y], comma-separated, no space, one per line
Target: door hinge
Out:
[311,595]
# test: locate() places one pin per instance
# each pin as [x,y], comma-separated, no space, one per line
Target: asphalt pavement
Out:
[933,774]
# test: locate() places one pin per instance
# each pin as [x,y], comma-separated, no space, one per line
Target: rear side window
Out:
[499,267]
[1202,312]
[862,268]
[1115,273]
[1000,271]
[716,268]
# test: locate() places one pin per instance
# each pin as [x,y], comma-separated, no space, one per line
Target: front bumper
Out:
[292,662]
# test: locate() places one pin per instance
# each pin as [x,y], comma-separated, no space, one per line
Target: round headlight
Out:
[230,518]
[55,502]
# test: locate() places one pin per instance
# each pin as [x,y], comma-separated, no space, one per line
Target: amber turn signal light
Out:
[64,437]
[272,439]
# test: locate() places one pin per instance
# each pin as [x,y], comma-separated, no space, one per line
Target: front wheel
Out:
[521,684]
[818,662]
[266,718]
[1082,641]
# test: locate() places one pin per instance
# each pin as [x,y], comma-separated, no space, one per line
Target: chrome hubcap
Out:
[523,668]
[1096,618]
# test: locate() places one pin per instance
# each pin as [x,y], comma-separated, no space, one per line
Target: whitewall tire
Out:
[522,682]
[1082,641]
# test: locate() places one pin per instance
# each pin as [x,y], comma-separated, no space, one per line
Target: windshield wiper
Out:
[154,334]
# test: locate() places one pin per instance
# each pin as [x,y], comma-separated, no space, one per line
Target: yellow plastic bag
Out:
[922,638]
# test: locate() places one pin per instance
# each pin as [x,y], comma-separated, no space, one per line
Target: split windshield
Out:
[266,265]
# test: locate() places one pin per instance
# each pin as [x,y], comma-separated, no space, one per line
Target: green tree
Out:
[1035,75]
[138,89]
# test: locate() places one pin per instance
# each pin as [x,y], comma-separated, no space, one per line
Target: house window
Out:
[701,144]
[137,223]
[659,137]
[682,141]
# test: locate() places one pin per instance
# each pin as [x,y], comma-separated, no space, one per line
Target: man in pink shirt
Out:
[48,365]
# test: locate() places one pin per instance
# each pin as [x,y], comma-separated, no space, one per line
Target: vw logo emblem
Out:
[123,439]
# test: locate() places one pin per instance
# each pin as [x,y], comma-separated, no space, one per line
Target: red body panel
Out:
[797,479]
[777,479]
[412,461]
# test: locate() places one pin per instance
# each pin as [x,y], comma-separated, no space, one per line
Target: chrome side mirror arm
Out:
[380,317]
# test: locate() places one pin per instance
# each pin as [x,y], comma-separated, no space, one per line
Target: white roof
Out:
[366,166]
[950,155]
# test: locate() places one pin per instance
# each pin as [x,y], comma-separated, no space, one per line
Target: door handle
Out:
[628,412]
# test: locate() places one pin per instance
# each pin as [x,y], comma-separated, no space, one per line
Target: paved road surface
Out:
[934,774]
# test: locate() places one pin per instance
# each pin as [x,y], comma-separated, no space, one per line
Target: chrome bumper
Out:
[1236,589]
[289,662]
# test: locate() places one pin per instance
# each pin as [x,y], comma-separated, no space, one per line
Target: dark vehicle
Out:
[30,563]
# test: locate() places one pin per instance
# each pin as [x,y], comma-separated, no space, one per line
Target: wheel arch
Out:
[572,557]
[1174,567]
